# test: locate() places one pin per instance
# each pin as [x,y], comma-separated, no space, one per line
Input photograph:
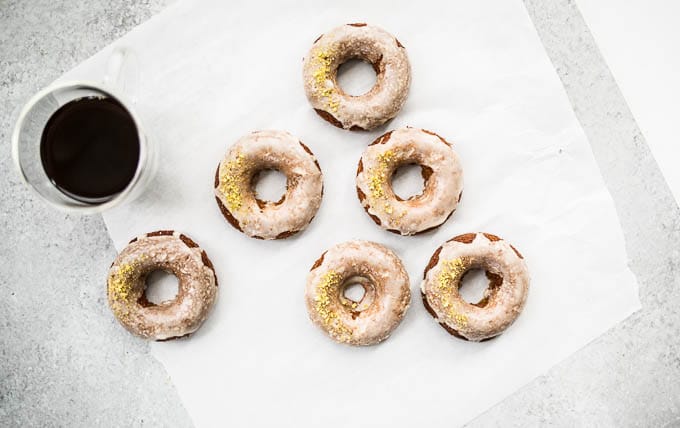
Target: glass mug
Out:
[119,85]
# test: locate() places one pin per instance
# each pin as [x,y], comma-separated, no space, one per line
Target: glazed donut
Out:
[386,292]
[236,197]
[174,253]
[373,45]
[441,171]
[503,299]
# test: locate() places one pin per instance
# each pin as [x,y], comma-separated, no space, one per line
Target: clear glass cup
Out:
[119,83]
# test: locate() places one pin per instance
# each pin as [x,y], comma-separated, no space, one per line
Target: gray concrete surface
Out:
[64,361]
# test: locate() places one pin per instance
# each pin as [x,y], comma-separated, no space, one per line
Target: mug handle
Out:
[122,73]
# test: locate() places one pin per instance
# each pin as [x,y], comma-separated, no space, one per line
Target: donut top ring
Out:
[177,254]
[386,285]
[236,197]
[373,45]
[503,300]
[441,170]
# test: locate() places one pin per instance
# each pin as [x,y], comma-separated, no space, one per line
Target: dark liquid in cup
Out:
[90,149]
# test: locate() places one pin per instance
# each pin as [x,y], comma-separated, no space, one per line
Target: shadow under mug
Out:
[33,118]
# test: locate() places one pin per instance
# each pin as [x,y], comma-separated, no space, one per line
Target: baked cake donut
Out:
[386,292]
[174,253]
[236,198]
[441,172]
[503,299]
[357,41]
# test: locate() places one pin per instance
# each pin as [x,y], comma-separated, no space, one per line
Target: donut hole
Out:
[269,185]
[477,285]
[408,181]
[356,77]
[161,286]
[357,293]
[354,292]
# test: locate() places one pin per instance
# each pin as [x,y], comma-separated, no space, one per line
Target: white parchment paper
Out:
[213,71]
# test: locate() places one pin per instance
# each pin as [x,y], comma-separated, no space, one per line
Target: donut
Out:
[236,198]
[174,253]
[503,299]
[386,292]
[441,171]
[357,41]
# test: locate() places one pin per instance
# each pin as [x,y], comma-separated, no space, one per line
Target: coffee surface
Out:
[90,149]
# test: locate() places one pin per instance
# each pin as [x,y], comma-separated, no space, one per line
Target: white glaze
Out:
[504,305]
[197,287]
[375,46]
[441,192]
[387,292]
[281,151]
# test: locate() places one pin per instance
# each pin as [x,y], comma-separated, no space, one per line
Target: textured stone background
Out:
[64,361]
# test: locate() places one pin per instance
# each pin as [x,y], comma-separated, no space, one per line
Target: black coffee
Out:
[90,149]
